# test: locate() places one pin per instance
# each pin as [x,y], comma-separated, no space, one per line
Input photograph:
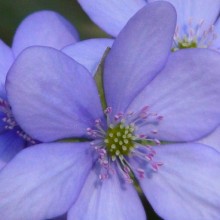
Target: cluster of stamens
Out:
[194,35]
[11,124]
[119,140]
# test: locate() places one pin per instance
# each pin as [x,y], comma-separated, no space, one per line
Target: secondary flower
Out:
[197,23]
[44,28]
[58,101]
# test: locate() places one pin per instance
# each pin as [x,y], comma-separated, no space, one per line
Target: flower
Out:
[58,102]
[198,26]
[197,23]
[44,28]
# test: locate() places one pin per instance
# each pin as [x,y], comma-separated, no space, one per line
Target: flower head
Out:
[197,23]
[143,86]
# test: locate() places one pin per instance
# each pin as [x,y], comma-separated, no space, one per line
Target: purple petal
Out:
[43,181]
[51,95]
[213,140]
[187,185]
[110,199]
[88,52]
[111,15]
[196,11]
[186,93]
[6,60]
[138,53]
[44,28]
[10,145]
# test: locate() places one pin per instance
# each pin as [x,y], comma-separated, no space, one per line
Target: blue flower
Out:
[44,28]
[152,96]
[197,21]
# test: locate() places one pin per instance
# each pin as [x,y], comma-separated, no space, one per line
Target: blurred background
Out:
[12,12]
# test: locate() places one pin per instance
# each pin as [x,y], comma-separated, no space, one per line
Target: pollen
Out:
[118,140]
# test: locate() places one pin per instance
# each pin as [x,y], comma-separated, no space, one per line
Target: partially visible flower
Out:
[45,28]
[55,98]
[197,23]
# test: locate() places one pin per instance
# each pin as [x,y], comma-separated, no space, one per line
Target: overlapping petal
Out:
[43,181]
[110,199]
[44,28]
[111,15]
[138,53]
[51,95]
[187,185]
[186,93]
[88,52]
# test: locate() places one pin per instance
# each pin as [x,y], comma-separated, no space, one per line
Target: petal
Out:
[186,93]
[10,145]
[43,181]
[109,199]
[51,95]
[88,52]
[213,140]
[138,53]
[187,185]
[6,60]
[44,28]
[196,10]
[111,15]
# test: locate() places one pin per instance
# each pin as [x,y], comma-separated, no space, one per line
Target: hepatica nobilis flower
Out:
[151,96]
[45,28]
[197,23]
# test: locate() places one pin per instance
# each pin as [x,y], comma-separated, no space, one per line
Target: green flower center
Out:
[187,44]
[119,140]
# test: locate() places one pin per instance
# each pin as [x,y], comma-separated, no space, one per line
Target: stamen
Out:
[11,124]
[194,35]
[121,141]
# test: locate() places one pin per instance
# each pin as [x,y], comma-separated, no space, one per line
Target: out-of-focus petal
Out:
[51,95]
[43,181]
[110,199]
[187,185]
[186,93]
[44,28]
[88,52]
[138,53]
[111,15]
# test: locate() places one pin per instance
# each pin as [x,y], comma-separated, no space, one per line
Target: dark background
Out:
[12,12]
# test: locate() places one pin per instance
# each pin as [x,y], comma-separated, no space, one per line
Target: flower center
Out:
[122,141]
[119,140]
[11,124]
[194,35]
